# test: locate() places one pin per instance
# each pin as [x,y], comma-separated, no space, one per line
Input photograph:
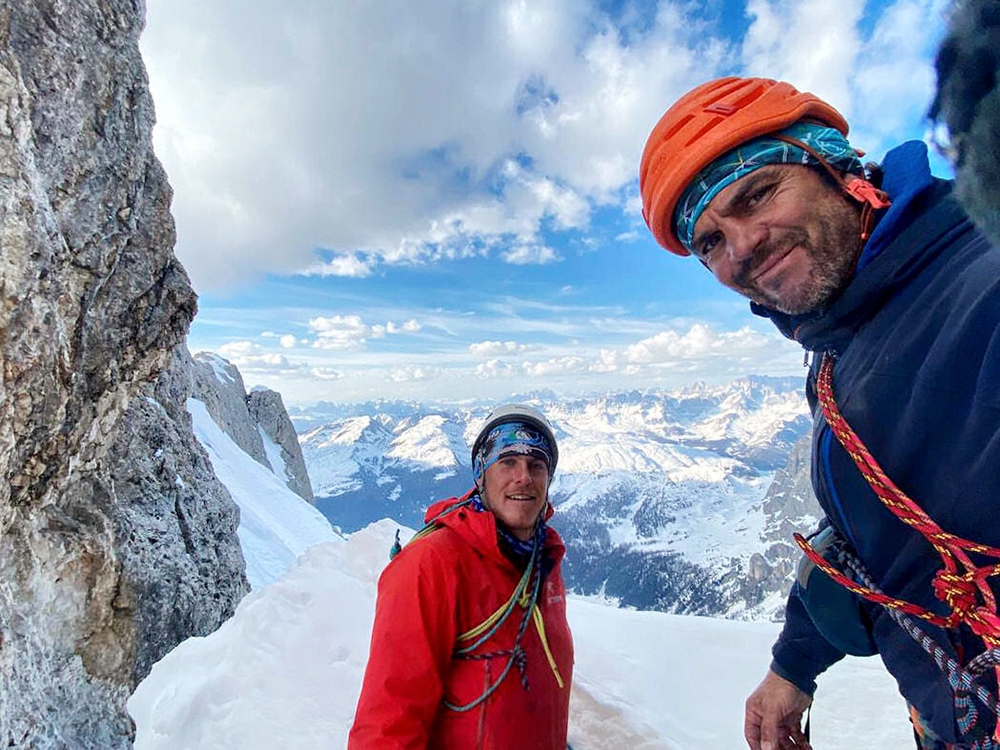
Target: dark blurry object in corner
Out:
[968,103]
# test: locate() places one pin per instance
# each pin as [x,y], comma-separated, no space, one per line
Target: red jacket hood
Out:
[479,529]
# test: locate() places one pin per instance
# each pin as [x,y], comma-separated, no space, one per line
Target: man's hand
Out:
[773,719]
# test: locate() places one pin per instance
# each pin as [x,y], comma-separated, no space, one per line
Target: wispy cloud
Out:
[412,373]
[499,348]
[700,350]
[254,360]
[350,332]
[522,255]
[352,265]
[669,356]
[395,172]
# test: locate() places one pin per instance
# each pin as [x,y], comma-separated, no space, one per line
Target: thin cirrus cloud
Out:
[251,357]
[350,332]
[412,373]
[499,348]
[700,348]
[522,255]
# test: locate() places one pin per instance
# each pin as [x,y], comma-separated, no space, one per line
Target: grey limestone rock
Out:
[219,385]
[175,522]
[789,506]
[268,411]
[93,303]
[250,419]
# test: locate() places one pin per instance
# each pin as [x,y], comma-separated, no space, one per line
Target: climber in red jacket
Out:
[470,646]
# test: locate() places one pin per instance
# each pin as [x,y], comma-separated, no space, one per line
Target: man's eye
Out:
[706,245]
[760,195]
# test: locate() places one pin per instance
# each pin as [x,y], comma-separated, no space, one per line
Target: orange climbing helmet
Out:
[706,123]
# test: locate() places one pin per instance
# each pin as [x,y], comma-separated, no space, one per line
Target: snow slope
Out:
[276,525]
[285,670]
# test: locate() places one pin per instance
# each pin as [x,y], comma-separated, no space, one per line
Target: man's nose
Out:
[743,238]
[522,472]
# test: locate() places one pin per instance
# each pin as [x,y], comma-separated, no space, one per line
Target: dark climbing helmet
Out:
[514,413]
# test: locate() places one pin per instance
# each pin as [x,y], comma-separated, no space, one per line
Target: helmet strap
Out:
[857,188]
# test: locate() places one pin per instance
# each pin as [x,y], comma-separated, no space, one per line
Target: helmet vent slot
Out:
[721,108]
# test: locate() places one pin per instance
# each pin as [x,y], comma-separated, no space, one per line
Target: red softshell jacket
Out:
[438,587]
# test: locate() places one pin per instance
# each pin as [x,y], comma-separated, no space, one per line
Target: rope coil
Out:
[961,584]
[486,629]
[525,595]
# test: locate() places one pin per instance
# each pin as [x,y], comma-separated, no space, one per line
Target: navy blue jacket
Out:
[916,341]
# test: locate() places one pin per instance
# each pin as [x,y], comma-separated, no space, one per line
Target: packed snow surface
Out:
[286,669]
[276,525]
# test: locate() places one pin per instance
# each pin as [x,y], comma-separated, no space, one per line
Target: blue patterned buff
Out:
[511,438]
[759,152]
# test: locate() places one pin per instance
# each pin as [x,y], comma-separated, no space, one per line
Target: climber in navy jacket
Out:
[879,273]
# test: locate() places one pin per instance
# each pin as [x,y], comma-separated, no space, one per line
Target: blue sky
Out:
[438,200]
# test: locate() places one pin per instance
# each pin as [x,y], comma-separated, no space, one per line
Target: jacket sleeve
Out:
[412,641]
[801,653]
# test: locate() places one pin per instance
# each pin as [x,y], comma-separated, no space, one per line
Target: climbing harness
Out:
[961,584]
[964,681]
[835,611]
[525,595]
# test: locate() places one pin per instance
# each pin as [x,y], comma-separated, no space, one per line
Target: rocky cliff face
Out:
[175,521]
[267,410]
[257,422]
[98,485]
[790,506]
[219,385]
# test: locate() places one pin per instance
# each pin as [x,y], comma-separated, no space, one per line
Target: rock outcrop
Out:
[101,487]
[175,522]
[790,506]
[257,422]
[268,411]
[219,385]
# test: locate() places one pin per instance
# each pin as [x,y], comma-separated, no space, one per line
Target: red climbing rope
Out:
[961,584]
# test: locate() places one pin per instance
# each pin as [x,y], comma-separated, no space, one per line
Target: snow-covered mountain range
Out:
[286,669]
[664,498]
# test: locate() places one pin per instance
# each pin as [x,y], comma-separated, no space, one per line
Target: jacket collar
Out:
[479,529]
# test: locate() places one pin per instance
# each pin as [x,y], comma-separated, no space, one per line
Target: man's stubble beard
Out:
[832,261]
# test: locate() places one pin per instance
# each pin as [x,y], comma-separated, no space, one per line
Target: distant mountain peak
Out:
[653,485]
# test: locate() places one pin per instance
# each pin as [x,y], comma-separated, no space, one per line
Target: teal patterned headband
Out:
[511,438]
[759,152]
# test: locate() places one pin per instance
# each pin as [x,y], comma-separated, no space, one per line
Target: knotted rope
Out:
[963,680]
[525,595]
[960,584]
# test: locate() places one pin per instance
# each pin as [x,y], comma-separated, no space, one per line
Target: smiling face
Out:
[782,236]
[515,490]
